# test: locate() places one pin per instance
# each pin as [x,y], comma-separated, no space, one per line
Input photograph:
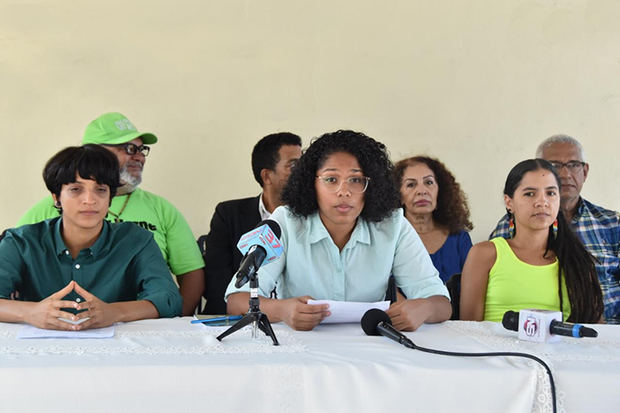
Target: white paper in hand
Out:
[348,311]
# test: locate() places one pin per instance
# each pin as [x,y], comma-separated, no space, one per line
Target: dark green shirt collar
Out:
[99,248]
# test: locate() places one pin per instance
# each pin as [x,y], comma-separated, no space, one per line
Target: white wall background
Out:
[477,83]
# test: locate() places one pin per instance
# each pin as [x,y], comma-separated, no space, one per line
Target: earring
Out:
[554,227]
[511,227]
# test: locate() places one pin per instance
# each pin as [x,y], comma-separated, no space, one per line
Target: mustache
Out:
[130,179]
[132,163]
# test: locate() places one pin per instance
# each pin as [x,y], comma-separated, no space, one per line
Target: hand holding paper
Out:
[348,311]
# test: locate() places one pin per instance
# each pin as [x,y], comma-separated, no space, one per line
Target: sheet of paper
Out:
[348,311]
[29,331]
[80,321]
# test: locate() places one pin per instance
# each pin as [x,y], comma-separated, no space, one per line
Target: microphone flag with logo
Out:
[260,246]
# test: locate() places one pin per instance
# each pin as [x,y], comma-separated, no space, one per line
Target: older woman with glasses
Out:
[343,236]
[437,208]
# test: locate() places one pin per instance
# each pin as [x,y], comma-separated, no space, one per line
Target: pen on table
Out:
[212,320]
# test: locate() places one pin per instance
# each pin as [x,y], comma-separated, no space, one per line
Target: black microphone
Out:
[511,322]
[376,322]
[259,245]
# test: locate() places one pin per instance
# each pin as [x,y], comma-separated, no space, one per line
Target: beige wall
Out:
[475,83]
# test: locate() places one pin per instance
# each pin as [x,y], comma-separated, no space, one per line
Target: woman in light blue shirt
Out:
[343,235]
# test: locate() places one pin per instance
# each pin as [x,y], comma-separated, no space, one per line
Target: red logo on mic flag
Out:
[530,326]
[264,237]
[271,239]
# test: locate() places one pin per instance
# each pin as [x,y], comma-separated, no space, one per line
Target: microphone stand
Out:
[254,316]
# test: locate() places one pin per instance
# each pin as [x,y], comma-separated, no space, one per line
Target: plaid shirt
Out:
[599,230]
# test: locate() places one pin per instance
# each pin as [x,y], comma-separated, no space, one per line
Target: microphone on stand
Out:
[259,245]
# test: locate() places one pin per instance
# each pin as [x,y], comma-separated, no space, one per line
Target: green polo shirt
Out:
[124,264]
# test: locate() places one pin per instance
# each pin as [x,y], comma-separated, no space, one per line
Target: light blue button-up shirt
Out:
[313,265]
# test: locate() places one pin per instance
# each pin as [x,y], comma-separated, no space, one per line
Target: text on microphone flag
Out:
[266,238]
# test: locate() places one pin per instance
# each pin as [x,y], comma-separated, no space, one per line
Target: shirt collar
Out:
[102,245]
[318,232]
[99,247]
[59,243]
[580,209]
[361,232]
[264,214]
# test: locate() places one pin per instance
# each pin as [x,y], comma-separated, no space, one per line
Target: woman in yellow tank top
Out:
[543,266]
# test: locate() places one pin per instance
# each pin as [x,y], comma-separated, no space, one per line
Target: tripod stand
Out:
[254,316]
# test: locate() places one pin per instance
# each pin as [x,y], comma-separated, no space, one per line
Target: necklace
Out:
[117,217]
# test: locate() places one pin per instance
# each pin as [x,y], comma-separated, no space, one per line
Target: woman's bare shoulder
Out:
[483,252]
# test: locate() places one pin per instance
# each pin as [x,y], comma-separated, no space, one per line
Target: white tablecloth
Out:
[170,365]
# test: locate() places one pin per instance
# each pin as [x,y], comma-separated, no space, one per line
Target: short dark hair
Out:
[380,198]
[265,153]
[452,210]
[89,161]
[575,264]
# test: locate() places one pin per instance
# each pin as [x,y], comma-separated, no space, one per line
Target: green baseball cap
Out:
[112,129]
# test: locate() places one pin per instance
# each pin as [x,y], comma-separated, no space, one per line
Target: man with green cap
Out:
[131,204]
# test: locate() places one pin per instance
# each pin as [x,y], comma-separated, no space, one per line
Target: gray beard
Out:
[130,182]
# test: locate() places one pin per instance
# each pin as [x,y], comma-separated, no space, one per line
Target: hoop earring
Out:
[511,227]
[554,227]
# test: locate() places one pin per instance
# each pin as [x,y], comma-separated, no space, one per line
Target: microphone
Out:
[537,325]
[376,322]
[260,245]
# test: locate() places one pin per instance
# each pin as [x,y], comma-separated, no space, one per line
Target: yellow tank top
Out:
[516,285]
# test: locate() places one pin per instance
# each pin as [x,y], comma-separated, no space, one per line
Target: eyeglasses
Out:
[356,184]
[132,149]
[572,166]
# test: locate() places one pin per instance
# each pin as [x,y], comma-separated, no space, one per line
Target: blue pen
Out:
[213,320]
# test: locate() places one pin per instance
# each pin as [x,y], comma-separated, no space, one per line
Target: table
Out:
[170,365]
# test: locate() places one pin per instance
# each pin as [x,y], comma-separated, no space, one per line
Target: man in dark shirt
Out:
[272,159]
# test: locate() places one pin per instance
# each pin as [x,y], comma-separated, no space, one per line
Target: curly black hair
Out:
[381,196]
[452,210]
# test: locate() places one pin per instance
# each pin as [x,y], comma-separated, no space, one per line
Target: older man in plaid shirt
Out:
[597,227]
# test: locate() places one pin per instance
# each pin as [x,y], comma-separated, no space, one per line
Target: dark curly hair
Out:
[452,210]
[381,196]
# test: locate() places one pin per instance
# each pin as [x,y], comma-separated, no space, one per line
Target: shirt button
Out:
[66,252]
[77,266]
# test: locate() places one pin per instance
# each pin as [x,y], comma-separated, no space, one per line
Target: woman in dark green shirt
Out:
[79,271]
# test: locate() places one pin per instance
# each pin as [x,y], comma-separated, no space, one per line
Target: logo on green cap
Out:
[125,124]
[114,128]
